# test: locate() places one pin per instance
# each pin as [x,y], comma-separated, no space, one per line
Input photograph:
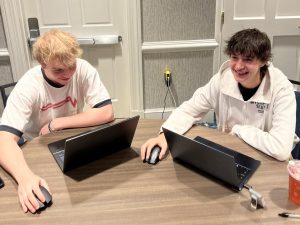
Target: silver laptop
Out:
[232,168]
[88,146]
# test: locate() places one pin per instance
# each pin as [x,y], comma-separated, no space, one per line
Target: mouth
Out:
[241,73]
[65,79]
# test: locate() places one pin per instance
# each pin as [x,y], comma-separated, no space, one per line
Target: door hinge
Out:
[222,17]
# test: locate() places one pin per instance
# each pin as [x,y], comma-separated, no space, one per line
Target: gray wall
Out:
[190,70]
[173,20]
[167,20]
[5,68]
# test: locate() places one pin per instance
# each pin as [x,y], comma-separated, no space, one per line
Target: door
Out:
[91,19]
[280,19]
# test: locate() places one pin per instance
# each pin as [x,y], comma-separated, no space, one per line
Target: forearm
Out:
[179,122]
[192,110]
[12,158]
[187,114]
[275,144]
[91,117]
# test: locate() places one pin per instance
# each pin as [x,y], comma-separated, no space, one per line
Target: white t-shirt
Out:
[35,101]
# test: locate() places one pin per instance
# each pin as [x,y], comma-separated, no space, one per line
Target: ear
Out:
[263,64]
[43,65]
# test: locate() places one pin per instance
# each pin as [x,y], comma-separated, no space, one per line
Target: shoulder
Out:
[30,83]
[278,79]
[31,78]
[33,73]
[83,64]
[84,69]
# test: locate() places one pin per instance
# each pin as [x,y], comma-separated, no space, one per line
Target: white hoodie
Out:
[266,121]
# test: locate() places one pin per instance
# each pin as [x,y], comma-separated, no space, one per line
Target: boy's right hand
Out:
[149,144]
[27,188]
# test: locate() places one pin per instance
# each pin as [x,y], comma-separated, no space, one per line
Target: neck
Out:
[52,83]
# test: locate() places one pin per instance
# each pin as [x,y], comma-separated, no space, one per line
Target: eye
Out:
[233,57]
[248,60]
[57,71]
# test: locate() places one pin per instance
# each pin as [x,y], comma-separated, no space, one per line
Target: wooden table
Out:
[120,189]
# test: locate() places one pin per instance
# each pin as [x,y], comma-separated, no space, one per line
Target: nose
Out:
[239,64]
[67,73]
[65,76]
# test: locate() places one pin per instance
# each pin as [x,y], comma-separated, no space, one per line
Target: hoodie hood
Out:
[269,84]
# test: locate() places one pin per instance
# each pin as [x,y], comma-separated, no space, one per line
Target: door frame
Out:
[15,37]
[134,36]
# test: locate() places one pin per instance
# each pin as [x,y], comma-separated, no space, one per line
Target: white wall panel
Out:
[96,12]
[61,15]
[105,64]
[286,51]
[247,9]
[287,8]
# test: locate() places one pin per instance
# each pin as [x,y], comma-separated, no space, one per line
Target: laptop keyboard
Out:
[241,171]
[60,154]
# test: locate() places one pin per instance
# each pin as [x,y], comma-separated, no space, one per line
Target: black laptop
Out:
[88,146]
[226,165]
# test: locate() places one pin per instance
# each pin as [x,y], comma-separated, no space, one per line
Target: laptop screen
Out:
[209,157]
[91,145]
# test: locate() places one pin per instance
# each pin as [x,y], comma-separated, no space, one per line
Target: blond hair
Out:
[56,45]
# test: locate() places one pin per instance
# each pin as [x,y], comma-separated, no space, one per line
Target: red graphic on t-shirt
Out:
[60,104]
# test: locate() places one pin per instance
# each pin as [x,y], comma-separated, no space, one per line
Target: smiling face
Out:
[59,73]
[246,70]
[249,51]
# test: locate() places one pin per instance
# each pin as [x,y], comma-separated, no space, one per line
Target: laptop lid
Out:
[213,159]
[94,144]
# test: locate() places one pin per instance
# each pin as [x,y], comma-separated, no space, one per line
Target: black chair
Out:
[5,91]
[296,150]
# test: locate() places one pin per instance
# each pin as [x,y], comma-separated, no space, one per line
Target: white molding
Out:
[4,53]
[135,57]
[138,113]
[180,46]
[16,37]
[157,113]
[249,18]
[218,36]
[287,17]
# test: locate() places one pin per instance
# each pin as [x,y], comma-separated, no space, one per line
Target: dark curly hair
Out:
[250,43]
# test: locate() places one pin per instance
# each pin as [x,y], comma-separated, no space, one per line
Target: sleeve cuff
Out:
[236,130]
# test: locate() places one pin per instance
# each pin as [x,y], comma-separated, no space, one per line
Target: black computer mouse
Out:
[48,199]
[154,156]
[1,183]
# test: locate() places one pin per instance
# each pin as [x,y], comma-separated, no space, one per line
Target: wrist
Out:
[236,130]
[161,137]
[24,175]
[50,126]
